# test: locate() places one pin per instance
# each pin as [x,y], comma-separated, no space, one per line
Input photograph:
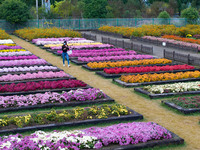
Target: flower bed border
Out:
[133,116]
[105,75]
[181,109]
[150,144]
[124,84]
[152,96]
[65,104]
[100,69]
[42,91]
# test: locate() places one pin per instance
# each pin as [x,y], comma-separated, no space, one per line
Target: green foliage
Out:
[95,8]
[191,14]
[164,14]
[14,11]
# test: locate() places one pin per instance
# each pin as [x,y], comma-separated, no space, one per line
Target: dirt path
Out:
[186,127]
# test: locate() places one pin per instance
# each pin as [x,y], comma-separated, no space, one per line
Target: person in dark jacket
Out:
[65,48]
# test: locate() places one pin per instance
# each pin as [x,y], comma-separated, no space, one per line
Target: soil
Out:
[187,127]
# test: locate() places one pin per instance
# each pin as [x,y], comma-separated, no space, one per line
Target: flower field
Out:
[28,83]
[4,35]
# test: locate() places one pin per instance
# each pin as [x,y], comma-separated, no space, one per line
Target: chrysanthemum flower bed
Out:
[90,138]
[2,47]
[128,63]
[173,88]
[11,50]
[81,95]
[73,44]
[68,115]
[187,102]
[37,75]
[159,77]
[4,35]
[20,53]
[35,33]
[147,69]
[18,57]
[41,85]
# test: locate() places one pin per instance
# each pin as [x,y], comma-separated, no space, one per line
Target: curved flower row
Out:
[147,69]
[128,63]
[89,138]
[84,46]
[9,47]
[120,57]
[73,44]
[159,77]
[51,97]
[95,50]
[30,68]
[23,62]
[18,57]
[102,54]
[20,53]
[173,41]
[173,88]
[61,42]
[178,38]
[41,85]
[35,75]
[11,50]
[6,41]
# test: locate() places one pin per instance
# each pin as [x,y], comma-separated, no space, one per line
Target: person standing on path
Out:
[65,48]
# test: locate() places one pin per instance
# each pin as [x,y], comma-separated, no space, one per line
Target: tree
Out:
[95,8]
[164,14]
[191,14]
[14,11]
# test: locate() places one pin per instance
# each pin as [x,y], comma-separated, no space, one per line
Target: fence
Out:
[184,58]
[84,24]
[128,45]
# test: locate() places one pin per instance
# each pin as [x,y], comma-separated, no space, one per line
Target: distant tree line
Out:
[17,11]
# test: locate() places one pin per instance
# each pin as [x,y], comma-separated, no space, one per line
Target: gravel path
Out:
[186,127]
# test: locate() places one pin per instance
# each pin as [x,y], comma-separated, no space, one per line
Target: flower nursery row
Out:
[120,57]
[23,62]
[94,137]
[41,85]
[35,75]
[159,77]
[181,39]
[20,53]
[4,35]
[75,52]
[56,39]
[26,69]
[51,97]
[92,112]
[2,47]
[12,50]
[73,44]
[128,63]
[153,30]
[173,88]
[6,41]
[18,57]
[35,33]
[147,69]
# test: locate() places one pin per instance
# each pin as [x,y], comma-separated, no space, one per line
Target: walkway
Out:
[157,50]
[186,127]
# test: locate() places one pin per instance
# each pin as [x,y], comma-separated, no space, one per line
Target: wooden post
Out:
[164,53]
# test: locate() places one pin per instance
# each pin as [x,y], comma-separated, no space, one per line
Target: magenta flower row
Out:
[108,58]
[23,62]
[35,75]
[18,57]
[21,53]
[10,47]
[41,85]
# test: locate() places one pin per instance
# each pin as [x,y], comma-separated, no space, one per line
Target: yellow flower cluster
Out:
[72,44]
[11,50]
[4,35]
[128,63]
[28,33]
[7,44]
[153,30]
[159,77]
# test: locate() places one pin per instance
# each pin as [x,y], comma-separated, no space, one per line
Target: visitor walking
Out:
[65,48]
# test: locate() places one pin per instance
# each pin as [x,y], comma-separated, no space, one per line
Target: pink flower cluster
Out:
[35,75]
[21,53]
[113,53]
[9,47]
[30,68]
[173,41]
[121,57]
[56,39]
[61,42]
[95,50]
[23,62]
[18,57]
[41,85]
[84,46]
